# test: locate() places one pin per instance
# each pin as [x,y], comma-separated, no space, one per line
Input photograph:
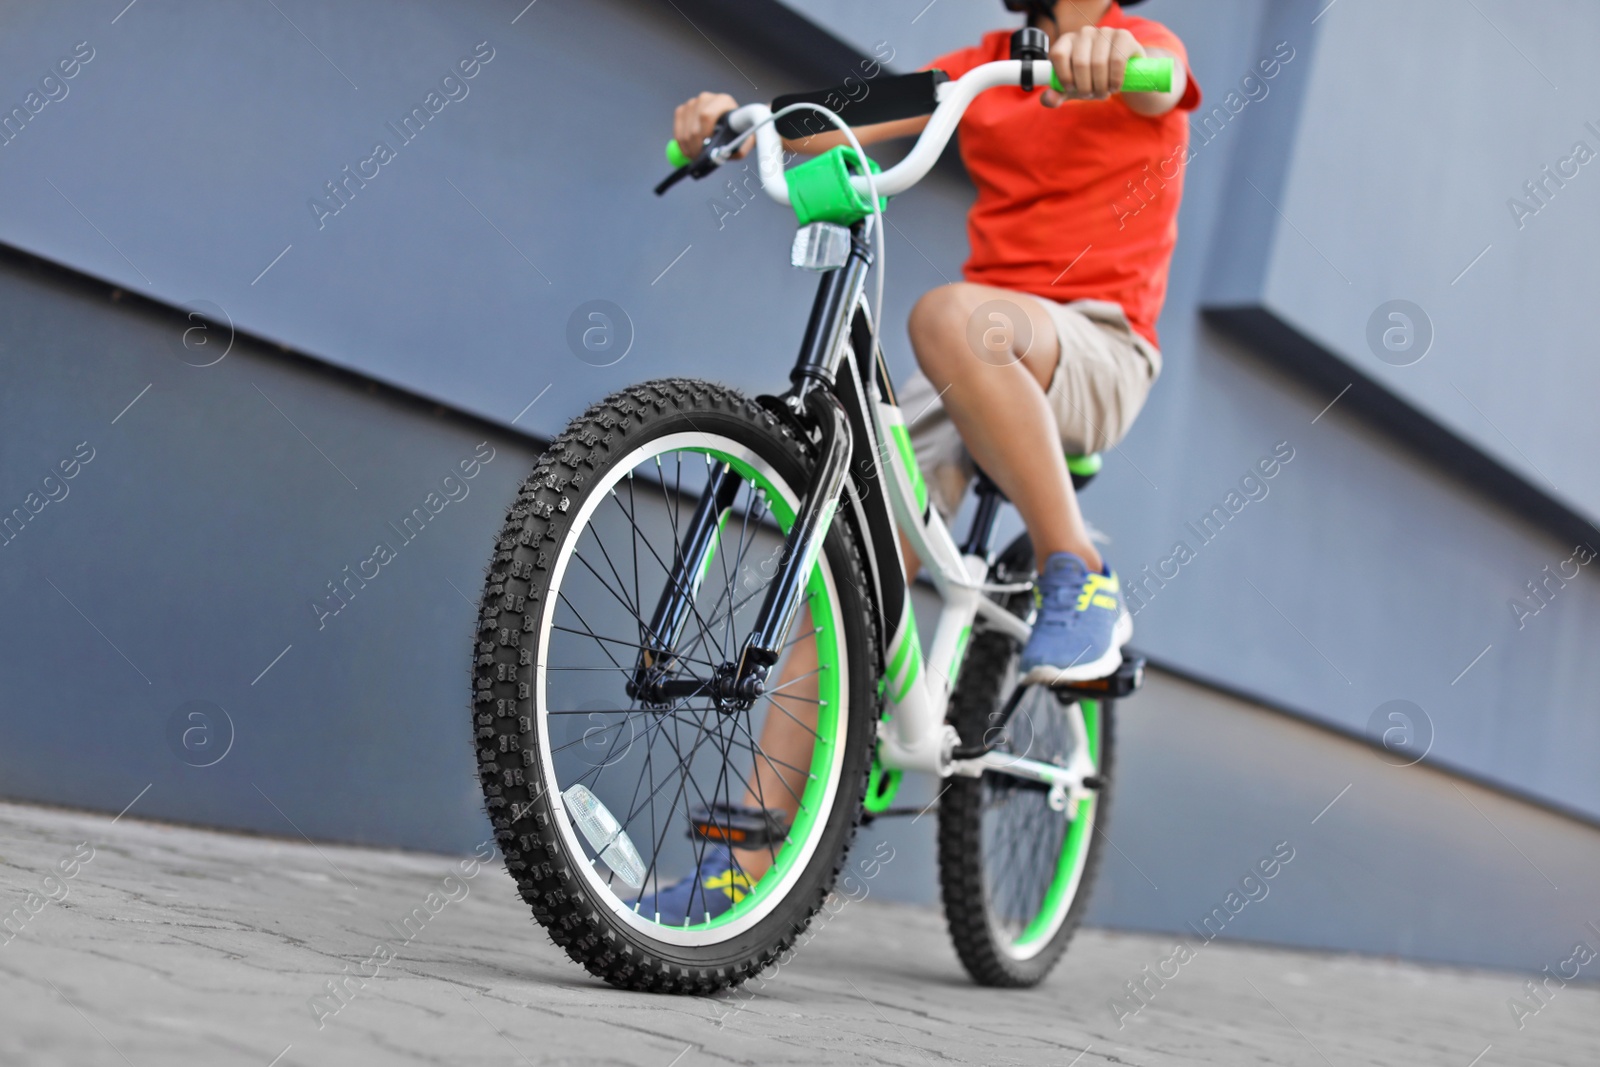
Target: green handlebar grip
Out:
[1145,74]
[1148,75]
[675,155]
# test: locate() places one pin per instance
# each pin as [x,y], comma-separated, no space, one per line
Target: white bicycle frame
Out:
[913,735]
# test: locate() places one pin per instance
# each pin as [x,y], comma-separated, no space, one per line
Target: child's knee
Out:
[938,328]
[934,313]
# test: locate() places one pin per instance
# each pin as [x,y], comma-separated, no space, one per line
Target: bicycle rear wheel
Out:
[592,789]
[1015,872]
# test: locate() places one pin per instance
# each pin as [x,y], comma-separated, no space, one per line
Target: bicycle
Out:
[621,685]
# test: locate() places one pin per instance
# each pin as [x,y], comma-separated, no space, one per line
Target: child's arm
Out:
[693,120]
[878,131]
[1092,61]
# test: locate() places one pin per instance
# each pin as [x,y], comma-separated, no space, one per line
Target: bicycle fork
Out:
[740,683]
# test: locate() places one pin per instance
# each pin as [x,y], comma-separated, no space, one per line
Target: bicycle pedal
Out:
[739,826]
[1124,681]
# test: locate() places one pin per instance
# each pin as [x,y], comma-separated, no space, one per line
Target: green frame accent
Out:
[882,786]
[820,189]
[913,668]
[908,458]
[828,719]
[1074,850]
[961,650]
[906,657]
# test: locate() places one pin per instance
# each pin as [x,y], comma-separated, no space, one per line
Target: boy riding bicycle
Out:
[1048,348]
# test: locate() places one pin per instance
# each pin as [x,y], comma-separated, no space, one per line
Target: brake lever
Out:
[672,179]
[706,162]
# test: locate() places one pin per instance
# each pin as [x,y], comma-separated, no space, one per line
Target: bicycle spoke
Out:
[622,586]
[770,699]
[794,681]
[620,599]
[757,751]
[652,767]
[615,641]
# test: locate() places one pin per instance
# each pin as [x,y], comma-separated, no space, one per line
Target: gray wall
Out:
[1388,859]
[433,309]
[1397,170]
[182,560]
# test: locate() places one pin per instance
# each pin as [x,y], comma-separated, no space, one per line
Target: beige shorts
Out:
[1100,384]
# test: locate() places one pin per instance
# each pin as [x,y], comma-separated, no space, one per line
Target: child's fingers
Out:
[1124,46]
[683,126]
[1100,63]
[1083,63]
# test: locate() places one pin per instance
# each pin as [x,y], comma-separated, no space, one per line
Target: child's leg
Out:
[992,384]
[776,780]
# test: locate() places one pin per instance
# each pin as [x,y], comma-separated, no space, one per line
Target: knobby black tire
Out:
[981,691]
[517,585]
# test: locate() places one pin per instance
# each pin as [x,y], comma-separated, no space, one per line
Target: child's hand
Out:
[1090,63]
[693,120]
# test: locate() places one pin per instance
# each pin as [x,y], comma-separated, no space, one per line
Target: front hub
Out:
[656,690]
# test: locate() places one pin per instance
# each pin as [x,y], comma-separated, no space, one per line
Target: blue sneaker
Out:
[707,893]
[1081,627]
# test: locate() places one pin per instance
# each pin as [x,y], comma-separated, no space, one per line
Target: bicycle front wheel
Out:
[1015,870]
[602,754]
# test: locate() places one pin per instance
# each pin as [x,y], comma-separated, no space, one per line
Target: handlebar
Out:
[1143,74]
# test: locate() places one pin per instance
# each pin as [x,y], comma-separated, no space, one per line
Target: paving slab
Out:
[148,944]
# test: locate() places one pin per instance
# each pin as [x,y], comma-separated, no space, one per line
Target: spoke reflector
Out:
[605,835]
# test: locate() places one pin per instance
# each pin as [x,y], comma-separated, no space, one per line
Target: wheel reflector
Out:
[605,835]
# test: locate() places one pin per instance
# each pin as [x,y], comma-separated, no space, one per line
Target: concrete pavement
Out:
[147,944]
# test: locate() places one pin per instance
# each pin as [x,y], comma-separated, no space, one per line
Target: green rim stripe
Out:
[828,719]
[1074,848]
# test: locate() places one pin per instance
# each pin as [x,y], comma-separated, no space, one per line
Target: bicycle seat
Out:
[1083,468]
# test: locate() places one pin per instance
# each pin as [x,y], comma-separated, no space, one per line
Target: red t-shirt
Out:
[1076,202]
